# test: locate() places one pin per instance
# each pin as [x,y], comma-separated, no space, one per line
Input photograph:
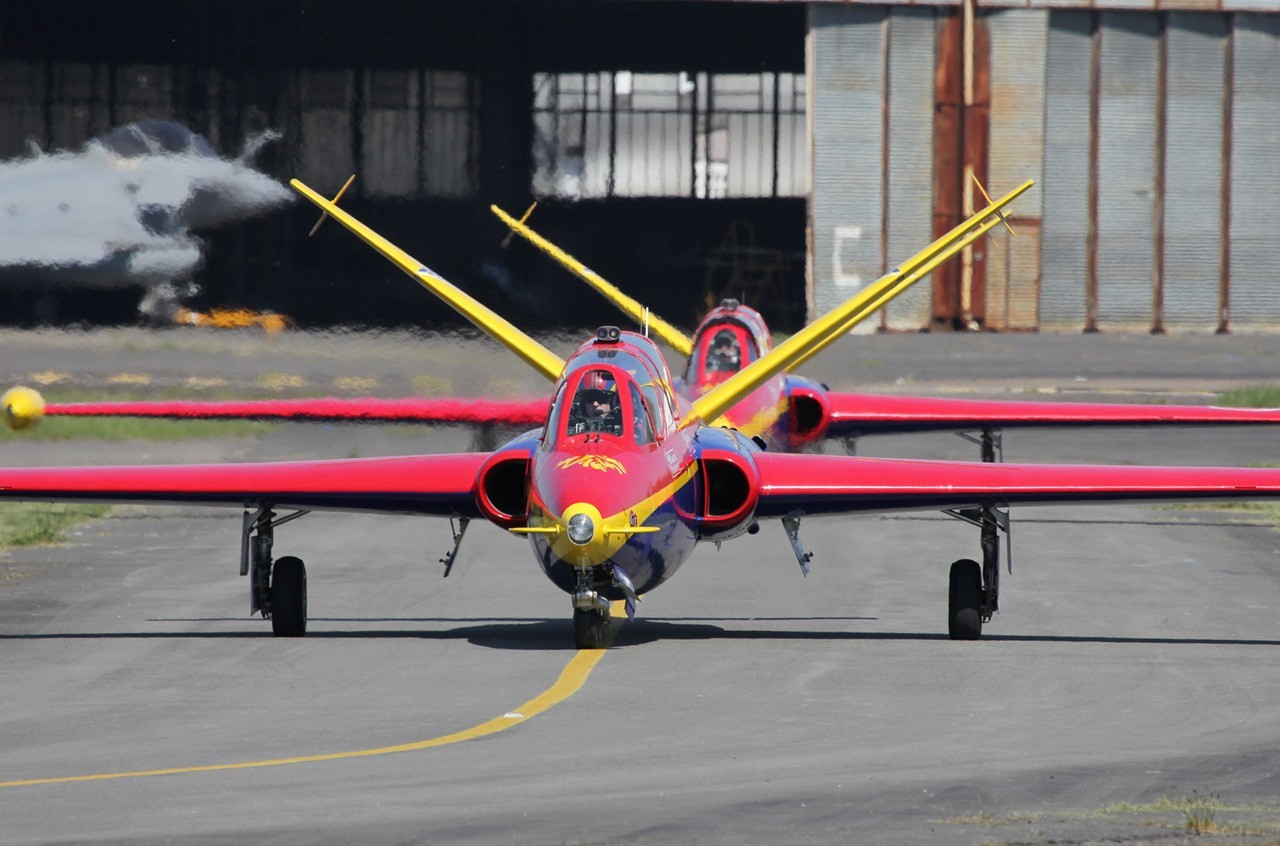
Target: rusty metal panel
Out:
[1066,170]
[1126,169]
[910,163]
[846,89]
[1193,174]
[1019,52]
[1255,163]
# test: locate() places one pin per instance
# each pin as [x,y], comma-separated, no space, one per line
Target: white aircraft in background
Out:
[121,211]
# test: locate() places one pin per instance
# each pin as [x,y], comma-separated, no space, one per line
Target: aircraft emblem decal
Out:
[594,462]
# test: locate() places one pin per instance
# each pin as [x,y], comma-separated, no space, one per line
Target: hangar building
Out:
[782,152]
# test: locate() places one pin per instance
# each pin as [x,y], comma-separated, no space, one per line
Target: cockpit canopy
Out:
[729,338]
[619,399]
[722,350]
[596,405]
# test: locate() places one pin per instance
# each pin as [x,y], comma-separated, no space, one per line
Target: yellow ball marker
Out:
[23,408]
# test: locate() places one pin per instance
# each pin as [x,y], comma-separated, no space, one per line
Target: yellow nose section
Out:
[23,408]
[606,535]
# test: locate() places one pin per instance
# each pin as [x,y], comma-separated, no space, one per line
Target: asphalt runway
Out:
[1133,662]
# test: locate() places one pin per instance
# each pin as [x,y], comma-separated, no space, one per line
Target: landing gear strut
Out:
[276,589]
[974,595]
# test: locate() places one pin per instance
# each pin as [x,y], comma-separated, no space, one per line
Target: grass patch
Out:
[1268,511]
[1195,813]
[136,429]
[1199,810]
[1252,396]
[39,523]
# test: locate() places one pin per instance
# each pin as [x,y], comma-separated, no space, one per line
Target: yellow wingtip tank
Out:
[672,336]
[526,348]
[719,399]
[23,408]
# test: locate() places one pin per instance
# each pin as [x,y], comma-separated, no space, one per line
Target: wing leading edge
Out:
[439,485]
[475,411]
[853,415]
[792,484]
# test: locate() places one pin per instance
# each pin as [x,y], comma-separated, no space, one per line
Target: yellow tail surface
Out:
[835,323]
[535,354]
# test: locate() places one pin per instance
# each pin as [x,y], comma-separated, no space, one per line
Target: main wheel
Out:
[289,597]
[964,608]
[590,628]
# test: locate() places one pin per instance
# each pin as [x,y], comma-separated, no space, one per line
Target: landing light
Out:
[608,335]
[581,529]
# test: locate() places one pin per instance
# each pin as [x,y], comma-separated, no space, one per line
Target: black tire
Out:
[964,608]
[590,629]
[289,597]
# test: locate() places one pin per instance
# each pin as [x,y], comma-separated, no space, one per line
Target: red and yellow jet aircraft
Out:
[788,410]
[624,478]
[792,410]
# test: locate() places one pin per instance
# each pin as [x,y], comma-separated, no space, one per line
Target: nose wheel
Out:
[590,628]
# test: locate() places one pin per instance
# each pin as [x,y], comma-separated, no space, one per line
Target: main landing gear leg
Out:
[974,594]
[276,589]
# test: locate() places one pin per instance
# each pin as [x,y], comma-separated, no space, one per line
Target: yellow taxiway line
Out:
[570,682]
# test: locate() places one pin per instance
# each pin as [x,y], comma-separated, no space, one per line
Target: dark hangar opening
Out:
[665,143]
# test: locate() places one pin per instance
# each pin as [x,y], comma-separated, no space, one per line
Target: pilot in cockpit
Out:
[595,405]
[724,356]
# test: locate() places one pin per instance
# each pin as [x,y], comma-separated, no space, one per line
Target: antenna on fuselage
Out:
[646,321]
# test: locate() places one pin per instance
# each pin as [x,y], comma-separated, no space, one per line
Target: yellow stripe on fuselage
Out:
[612,532]
[761,424]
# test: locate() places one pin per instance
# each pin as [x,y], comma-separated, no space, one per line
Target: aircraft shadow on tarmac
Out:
[546,634]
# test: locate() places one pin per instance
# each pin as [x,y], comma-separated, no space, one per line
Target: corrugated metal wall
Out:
[1154,136]
[910,174]
[1193,168]
[871,80]
[1019,44]
[846,95]
[1126,168]
[1255,171]
[1067,173]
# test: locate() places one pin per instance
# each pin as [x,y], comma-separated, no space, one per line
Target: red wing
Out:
[831,484]
[425,484]
[865,414]
[514,412]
